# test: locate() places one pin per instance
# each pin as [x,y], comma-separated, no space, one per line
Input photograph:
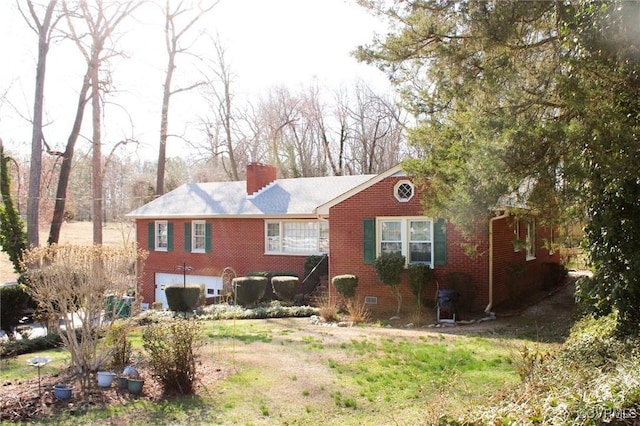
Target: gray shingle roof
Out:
[283,197]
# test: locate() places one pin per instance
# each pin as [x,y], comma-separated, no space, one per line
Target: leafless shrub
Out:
[75,284]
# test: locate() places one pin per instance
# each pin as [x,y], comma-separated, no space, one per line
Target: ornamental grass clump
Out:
[172,347]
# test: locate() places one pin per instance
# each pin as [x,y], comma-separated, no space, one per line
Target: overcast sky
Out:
[268,42]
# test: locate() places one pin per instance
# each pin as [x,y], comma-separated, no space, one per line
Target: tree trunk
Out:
[65,167]
[96,174]
[164,124]
[33,200]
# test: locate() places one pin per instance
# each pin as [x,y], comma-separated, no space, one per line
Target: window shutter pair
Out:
[439,241]
[207,237]
[151,242]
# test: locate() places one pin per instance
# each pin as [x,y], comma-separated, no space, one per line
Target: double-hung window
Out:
[297,237]
[410,236]
[198,236]
[161,235]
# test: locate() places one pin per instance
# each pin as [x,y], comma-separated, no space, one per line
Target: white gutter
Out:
[493,219]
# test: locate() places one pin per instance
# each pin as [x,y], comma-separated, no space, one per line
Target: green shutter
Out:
[187,236]
[440,242]
[151,236]
[369,240]
[169,236]
[207,237]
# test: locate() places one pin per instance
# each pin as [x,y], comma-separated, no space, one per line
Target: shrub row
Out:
[13,348]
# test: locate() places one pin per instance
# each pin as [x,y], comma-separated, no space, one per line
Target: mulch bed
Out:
[24,400]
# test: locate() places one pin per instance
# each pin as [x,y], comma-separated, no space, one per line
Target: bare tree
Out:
[43,27]
[220,99]
[100,20]
[377,139]
[173,36]
[327,133]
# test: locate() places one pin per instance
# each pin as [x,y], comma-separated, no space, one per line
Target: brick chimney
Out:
[258,176]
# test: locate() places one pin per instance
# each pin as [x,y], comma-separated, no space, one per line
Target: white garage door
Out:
[213,285]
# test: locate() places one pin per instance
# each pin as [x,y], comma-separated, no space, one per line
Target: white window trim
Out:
[193,236]
[516,235]
[551,248]
[400,183]
[280,223]
[404,235]
[156,236]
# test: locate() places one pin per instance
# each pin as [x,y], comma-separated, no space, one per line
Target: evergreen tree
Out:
[539,99]
[13,238]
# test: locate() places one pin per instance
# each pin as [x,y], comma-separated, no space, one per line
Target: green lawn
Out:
[287,372]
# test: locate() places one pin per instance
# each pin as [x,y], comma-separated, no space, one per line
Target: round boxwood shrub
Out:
[285,287]
[345,285]
[249,290]
[182,298]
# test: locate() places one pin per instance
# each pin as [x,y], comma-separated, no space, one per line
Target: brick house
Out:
[270,224]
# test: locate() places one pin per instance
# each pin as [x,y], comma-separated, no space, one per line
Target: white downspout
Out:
[487,310]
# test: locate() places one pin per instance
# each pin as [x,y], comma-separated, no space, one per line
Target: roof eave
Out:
[323,209]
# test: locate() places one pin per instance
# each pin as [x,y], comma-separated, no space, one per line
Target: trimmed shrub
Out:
[249,290]
[285,287]
[345,285]
[172,347]
[388,267]
[269,293]
[183,299]
[14,301]
[421,276]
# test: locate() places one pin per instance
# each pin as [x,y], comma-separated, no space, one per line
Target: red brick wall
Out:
[238,243]
[346,246]
[469,255]
[505,256]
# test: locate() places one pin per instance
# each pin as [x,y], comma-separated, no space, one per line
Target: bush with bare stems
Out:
[73,286]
